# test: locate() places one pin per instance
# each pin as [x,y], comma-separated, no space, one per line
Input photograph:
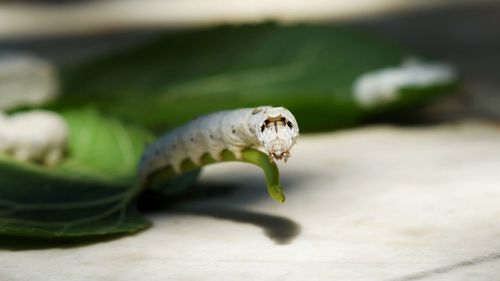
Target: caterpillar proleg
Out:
[272,129]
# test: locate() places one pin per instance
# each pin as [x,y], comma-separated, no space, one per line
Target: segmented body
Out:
[273,129]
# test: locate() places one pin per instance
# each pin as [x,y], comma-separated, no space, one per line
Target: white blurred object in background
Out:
[34,136]
[381,86]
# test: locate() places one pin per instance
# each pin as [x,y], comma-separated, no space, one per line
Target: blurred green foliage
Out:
[308,69]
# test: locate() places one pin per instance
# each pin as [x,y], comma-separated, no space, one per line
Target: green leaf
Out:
[91,193]
[103,147]
[310,69]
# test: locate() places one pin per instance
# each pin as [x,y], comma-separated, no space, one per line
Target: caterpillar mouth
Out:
[280,155]
[277,135]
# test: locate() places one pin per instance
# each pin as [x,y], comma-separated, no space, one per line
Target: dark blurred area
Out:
[464,34]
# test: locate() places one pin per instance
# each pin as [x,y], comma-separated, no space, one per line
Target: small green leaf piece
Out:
[276,192]
[253,156]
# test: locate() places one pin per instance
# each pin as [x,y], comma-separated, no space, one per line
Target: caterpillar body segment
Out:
[272,129]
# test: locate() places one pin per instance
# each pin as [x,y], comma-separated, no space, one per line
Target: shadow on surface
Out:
[197,202]
[279,229]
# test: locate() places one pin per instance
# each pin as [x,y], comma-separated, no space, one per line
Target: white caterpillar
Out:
[35,136]
[272,128]
[382,86]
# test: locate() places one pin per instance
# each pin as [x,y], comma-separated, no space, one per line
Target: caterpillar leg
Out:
[237,153]
[22,154]
[177,168]
[196,160]
[52,157]
[216,155]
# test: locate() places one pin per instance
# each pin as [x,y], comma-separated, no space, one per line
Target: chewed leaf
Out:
[270,171]
[158,179]
[91,193]
[276,192]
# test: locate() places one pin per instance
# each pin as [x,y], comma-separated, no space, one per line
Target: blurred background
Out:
[463,33]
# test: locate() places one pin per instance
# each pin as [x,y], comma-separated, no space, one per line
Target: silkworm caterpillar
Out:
[34,136]
[273,129]
[382,86]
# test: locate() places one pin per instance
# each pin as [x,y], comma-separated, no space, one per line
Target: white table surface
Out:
[378,203]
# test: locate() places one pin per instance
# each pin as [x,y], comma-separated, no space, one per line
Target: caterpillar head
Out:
[277,131]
